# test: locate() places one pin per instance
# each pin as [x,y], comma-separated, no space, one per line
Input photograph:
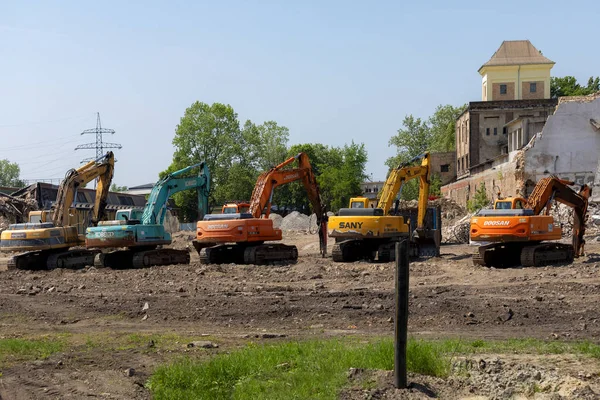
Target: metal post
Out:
[401,320]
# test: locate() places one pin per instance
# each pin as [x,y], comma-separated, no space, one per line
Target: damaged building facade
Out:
[518,134]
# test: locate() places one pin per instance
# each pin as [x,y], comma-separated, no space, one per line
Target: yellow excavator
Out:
[46,244]
[361,232]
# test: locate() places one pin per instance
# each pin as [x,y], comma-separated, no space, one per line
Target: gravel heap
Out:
[295,221]
[277,219]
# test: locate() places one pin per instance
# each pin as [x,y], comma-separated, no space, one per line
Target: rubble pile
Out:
[455,219]
[14,209]
[295,221]
[277,219]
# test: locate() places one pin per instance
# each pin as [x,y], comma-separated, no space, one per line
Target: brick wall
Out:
[510,91]
[501,179]
[539,90]
[447,160]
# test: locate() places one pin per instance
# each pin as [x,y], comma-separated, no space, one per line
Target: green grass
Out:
[317,369]
[292,370]
[16,350]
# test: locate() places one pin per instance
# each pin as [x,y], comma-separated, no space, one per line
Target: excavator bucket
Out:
[425,242]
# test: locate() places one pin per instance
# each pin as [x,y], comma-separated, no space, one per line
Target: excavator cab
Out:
[359,202]
[510,203]
[235,208]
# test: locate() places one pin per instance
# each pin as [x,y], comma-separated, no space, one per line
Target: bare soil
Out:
[312,298]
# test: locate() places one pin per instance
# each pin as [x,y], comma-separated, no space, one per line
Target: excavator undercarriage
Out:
[535,254]
[255,253]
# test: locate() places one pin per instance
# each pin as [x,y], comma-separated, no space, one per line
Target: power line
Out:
[99,145]
[43,122]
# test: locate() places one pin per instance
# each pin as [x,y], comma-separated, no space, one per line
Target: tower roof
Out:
[516,52]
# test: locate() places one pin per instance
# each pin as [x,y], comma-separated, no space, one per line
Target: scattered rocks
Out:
[272,335]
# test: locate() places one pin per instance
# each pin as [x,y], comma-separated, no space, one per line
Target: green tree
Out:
[339,172]
[209,133]
[480,200]
[115,188]
[341,179]
[443,127]
[568,86]
[413,139]
[9,174]
[435,185]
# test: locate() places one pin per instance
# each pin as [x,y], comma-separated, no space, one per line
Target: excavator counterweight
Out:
[247,238]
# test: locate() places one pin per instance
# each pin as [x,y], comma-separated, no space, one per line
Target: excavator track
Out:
[222,254]
[499,255]
[527,255]
[151,258]
[124,259]
[350,251]
[119,259]
[31,260]
[546,254]
[73,259]
[269,253]
[257,254]
[51,259]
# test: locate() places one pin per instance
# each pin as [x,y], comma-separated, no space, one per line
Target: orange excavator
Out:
[518,231]
[241,237]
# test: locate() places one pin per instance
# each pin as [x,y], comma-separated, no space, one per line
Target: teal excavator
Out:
[144,237]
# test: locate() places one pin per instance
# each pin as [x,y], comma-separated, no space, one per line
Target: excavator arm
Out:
[402,174]
[102,168]
[554,188]
[262,195]
[156,206]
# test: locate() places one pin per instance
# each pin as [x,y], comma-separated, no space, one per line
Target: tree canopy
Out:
[417,136]
[9,174]
[568,86]
[116,188]
[237,155]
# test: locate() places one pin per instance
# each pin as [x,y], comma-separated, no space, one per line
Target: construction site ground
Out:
[121,324]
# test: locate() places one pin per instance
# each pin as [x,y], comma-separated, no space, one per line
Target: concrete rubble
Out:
[14,209]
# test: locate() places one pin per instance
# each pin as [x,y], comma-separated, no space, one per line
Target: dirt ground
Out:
[231,305]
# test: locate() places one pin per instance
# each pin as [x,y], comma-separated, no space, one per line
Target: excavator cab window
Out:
[229,210]
[243,209]
[503,205]
[357,204]
[518,205]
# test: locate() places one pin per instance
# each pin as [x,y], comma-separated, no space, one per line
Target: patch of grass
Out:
[14,350]
[291,370]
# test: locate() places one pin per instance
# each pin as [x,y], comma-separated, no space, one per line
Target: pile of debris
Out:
[14,209]
[455,219]
[295,221]
[564,215]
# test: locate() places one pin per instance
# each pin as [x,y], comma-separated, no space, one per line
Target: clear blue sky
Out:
[331,71]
